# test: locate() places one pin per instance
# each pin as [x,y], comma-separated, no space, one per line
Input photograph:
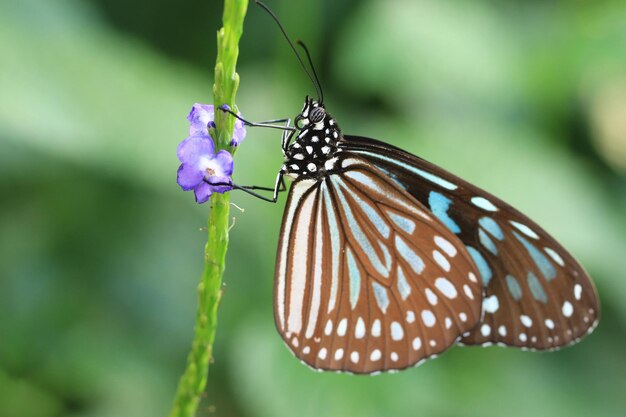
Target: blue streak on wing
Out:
[358,233]
[372,214]
[380,293]
[403,285]
[412,258]
[393,177]
[486,241]
[544,265]
[424,174]
[355,278]
[402,222]
[514,288]
[536,289]
[492,227]
[335,241]
[439,205]
[481,263]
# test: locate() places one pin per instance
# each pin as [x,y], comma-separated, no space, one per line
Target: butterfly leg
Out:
[268,124]
[287,135]
[278,188]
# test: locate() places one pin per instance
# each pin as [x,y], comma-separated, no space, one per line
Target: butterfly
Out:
[386,260]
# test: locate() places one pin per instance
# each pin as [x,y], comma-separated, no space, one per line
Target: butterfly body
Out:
[312,153]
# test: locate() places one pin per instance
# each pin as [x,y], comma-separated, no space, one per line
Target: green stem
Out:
[193,382]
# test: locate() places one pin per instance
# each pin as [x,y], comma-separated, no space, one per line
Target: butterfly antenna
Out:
[315,82]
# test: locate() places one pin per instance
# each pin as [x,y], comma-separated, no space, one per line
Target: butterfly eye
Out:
[317,115]
[301,122]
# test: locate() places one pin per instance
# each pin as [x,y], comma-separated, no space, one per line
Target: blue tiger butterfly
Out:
[386,260]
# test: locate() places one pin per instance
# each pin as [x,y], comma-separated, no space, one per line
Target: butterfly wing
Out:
[366,279]
[536,295]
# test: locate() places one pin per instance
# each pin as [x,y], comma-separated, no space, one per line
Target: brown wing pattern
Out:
[367,280]
[536,295]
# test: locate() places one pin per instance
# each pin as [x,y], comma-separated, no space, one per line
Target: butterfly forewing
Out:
[536,294]
[367,279]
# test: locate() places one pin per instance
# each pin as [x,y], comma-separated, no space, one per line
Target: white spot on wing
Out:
[446,287]
[322,353]
[342,327]
[397,333]
[468,291]
[491,304]
[526,321]
[525,229]
[483,203]
[431,296]
[555,256]
[359,330]
[376,328]
[441,260]
[410,316]
[329,327]
[578,290]
[567,309]
[417,343]
[446,246]
[428,318]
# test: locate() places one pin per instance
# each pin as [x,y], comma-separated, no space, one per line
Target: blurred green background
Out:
[100,251]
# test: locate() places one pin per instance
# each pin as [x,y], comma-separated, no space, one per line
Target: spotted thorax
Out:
[311,154]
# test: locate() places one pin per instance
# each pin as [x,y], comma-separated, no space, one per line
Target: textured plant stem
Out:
[193,382]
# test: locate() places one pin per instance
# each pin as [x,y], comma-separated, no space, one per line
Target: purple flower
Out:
[239,133]
[202,117]
[201,169]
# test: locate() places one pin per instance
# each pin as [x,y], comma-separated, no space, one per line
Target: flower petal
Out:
[225,162]
[194,147]
[189,176]
[239,133]
[199,118]
[202,192]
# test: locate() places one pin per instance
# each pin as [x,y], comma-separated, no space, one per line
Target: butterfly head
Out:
[312,152]
[312,116]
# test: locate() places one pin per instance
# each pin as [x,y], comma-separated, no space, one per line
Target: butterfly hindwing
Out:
[536,295]
[367,279]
